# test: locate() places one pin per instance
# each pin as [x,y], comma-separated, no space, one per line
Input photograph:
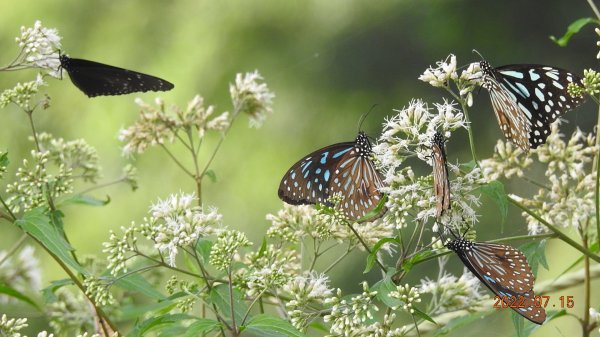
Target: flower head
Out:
[251,97]
[40,46]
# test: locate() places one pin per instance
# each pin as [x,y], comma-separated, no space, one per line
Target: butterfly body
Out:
[504,270]
[441,183]
[342,168]
[527,98]
[98,79]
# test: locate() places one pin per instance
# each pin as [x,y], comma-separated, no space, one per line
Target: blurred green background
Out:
[328,62]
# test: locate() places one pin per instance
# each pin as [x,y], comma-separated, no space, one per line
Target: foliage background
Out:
[327,61]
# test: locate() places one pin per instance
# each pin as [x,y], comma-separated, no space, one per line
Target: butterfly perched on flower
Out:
[527,98]
[504,270]
[342,168]
[441,184]
[98,79]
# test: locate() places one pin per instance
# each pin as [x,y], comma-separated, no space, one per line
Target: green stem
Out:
[587,289]
[469,126]
[597,168]
[13,248]
[177,161]
[594,8]
[556,231]
[338,260]
[383,268]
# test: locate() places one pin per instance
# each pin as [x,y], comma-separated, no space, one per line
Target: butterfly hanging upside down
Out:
[527,98]
[441,183]
[504,270]
[342,168]
[98,79]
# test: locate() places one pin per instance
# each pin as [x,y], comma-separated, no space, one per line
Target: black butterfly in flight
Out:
[98,79]
[441,184]
[344,168]
[527,98]
[505,271]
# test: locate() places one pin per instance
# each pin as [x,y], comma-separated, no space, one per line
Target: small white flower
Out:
[251,97]
[40,48]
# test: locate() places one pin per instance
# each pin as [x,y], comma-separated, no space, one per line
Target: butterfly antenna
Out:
[478,53]
[364,116]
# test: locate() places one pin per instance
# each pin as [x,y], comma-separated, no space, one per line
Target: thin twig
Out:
[383,268]
[13,248]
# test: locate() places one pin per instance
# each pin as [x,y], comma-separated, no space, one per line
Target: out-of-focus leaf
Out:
[220,297]
[423,315]
[269,326]
[85,200]
[535,252]
[137,283]
[519,324]
[48,292]
[11,292]
[204,246]
[495,191]
[211,175]
[459,322]
[384,287]
[158,321]
[374,213]
[573,29]
[201,326]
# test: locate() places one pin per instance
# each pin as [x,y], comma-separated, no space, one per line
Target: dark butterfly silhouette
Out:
[527,98]
[344,168]
[98,79]
[441,184]
[504,270]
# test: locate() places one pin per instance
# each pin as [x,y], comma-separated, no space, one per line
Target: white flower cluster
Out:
[10,327]
[291,223]
[21,271]
[39,48]
[408,295]
[98,291]
[446,73]
[411,197]
[269,269]
[450,293]
[508,161]
[306,291]
[568,196]
[21,95]
[158,125]
[595,317]
[350,315]
[225,248]
[177,222]
[252,97]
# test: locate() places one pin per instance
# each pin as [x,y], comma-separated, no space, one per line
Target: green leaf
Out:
[4,159]
[203,247]
[85,200]
[573,29]
[495,191]
[220,297]
[468,166]
[372,258]
[423,315]
[268,326]
[132,312]
[461,321]
[163,321]
[384,287]
[535,252]
[48,292]
[529,327]
[137,283]
[202,325]
[11,292]
[409,263]
[211,175]
[37,224]
[263,247]
[376,212]
[519,324]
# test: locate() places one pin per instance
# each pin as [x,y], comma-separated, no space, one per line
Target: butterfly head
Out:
[459,245]
[363,145]
[438,139]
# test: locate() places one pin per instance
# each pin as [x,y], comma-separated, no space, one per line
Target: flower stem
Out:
[556,231]
[594,8]
[469,125]
[383,268]
[13,248]
[585,322]
[597,168]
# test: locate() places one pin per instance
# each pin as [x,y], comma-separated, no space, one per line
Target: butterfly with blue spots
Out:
[342,168]
[527,98]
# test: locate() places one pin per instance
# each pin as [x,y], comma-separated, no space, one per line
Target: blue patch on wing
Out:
[341,153]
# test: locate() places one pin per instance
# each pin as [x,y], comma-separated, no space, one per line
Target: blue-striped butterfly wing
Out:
[307,181]
[344,168]
[441,183]
[527,98]
[98,79]
[504,270]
